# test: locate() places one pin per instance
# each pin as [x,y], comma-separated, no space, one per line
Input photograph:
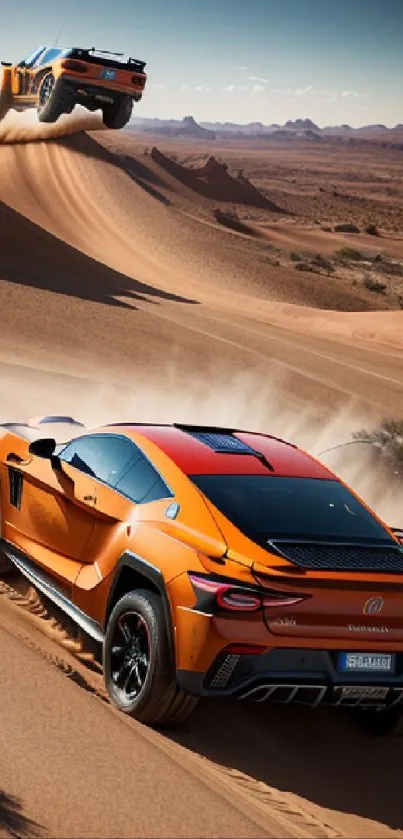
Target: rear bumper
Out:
[294,675]
[101,91]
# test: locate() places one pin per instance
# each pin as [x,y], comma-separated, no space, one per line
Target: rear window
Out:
[268,507]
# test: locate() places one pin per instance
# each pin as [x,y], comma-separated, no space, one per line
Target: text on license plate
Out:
[364,662]
[109,75]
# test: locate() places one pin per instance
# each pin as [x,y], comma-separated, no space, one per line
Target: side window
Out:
[141,482]
[31,59]
[48,57]
[103,457]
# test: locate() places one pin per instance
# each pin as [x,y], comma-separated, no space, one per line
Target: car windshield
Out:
[268,507]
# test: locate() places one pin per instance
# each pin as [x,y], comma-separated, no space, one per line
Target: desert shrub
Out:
[372,230]
[295,257]
[393,269]
[304,266]
[321,262]
[374,285]
[349,255]
[388,436]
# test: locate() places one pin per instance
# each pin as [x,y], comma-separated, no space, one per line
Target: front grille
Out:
[325,557]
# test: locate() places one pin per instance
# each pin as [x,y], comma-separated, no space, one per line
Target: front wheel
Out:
[138,669]
[118,114]
[384,722]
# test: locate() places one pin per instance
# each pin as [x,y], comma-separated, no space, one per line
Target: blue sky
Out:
[334,61]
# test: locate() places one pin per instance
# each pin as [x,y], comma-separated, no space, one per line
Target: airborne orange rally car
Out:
[208,562]
[54,80]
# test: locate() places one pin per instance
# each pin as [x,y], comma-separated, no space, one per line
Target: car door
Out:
[122,479]
[44,514]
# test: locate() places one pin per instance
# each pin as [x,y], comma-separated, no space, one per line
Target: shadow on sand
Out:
[12,819]
[30,256]
[323,756]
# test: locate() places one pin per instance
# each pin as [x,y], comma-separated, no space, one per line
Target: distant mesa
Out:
[213,181]
[298,129]
[301,125]
[187,127]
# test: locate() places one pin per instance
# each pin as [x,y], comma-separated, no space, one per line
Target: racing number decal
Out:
[16,483]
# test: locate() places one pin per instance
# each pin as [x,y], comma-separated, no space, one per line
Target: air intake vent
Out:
[224,443]
[325,557]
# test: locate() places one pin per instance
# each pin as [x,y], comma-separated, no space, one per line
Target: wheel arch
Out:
[133,572]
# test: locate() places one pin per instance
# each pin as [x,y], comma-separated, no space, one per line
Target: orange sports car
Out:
[54,80]
[208,562]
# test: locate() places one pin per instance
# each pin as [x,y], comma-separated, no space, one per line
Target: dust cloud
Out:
[248,400]
[25,128]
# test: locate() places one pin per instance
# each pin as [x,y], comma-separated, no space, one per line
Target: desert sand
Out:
[140,279]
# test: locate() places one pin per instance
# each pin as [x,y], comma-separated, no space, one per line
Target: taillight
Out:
[75,66]
[282,600]
[237,601]
[242,599]
[139,81]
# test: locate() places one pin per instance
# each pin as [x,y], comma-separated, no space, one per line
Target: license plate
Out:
[366,662]
[108,75]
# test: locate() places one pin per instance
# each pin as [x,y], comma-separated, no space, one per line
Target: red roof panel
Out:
[196,458]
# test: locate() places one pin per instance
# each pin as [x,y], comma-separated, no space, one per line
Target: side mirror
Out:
[6,64]
[43,448]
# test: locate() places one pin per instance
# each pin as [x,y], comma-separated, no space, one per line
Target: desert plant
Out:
[388,437]
[305,266]
[321,262]
[349,255]
[374,285]
[295,257]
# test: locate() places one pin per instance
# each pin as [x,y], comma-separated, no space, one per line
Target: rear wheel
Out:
[118,114]
[384,722]
[54,99]
[5,92]
[138,669]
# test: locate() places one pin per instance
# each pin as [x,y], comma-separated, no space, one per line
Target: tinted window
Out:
[32,57]
[268,507]
[141,482]
[51,55]
[103,457]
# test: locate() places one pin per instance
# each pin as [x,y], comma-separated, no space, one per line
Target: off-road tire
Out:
[387,722]
[117,115]
[5,92]
[58,100]
[160,702]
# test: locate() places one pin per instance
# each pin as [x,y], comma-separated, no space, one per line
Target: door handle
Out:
[90,498]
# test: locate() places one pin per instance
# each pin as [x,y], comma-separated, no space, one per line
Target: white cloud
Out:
[201,88]
[258,88]
[243,68]
[234,88]
[304,91]
[354,94]
[259,79]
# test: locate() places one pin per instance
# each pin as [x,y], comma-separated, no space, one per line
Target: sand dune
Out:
[123,297]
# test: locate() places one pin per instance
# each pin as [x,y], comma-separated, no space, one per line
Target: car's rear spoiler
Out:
[110,58]
[398,531]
